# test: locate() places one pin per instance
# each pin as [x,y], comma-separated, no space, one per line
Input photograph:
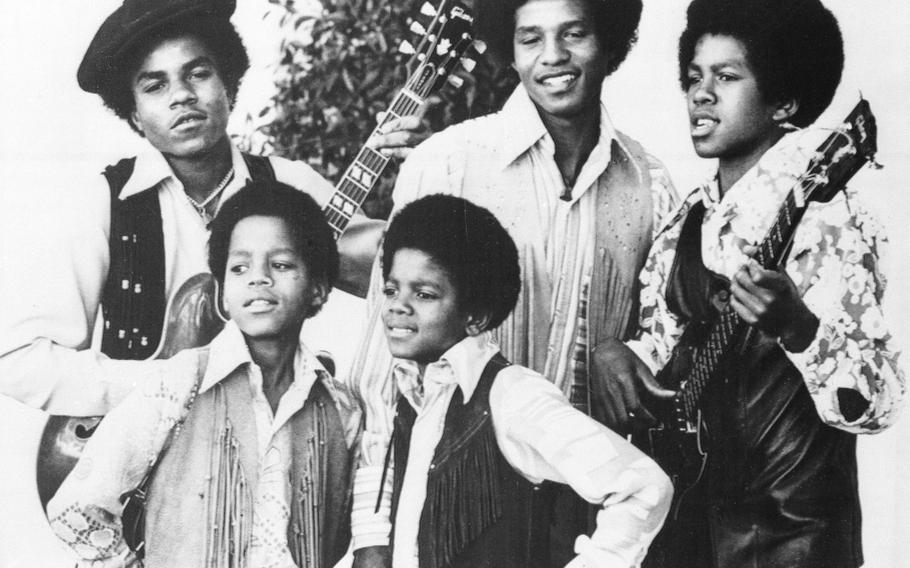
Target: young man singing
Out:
[779,488]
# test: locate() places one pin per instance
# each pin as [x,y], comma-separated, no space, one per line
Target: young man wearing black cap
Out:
[171,69]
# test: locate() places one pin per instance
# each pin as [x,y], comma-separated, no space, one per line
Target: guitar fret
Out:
[371,160]
[406,92]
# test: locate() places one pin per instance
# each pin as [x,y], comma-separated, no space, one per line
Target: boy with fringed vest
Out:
[243,445]
[475,437]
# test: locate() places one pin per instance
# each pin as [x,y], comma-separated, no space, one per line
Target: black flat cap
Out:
[131,23]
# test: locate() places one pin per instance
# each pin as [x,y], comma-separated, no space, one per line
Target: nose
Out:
[182,94]
[703,91]
[397,304]
[554,52]
[259,276]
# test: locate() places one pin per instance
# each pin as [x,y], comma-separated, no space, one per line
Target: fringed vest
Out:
[780,486]
[201,497]
[134,298]
[479,512]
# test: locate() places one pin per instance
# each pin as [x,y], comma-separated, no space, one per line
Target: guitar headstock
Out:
[445,42]
[852,145]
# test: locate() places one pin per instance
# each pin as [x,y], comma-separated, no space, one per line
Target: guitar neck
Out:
[364,172]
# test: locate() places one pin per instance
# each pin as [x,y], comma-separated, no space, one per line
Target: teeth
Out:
[260,303]
[559,80]
[703,122]
[400,332]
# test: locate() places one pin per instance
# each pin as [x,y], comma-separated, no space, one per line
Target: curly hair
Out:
[218,35]
[615,24]
[794,47]
[469,244]
[313,237]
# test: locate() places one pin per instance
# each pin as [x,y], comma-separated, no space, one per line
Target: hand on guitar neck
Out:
[622,386]
[768,300]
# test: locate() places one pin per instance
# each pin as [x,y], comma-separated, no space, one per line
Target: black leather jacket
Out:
[780,486]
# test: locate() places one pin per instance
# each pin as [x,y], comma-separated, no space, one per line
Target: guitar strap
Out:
[134,297]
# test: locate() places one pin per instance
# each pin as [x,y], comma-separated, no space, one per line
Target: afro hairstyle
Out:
[794,47]
[469,244]
[313,238]
[615,23]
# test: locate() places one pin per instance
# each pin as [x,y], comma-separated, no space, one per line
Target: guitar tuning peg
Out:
[421,56]
[406,48]
[480,46]
[455,81]
[416,28]
[428,9]
[468,64]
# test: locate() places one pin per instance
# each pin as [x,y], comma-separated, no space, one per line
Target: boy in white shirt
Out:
[475,437]
[242,445]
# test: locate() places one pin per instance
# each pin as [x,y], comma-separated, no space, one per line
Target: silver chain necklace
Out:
[202,208]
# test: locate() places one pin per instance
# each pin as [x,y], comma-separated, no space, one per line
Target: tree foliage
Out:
[342,67]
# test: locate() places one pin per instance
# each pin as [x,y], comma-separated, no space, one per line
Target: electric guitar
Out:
[193,317]
[679,443]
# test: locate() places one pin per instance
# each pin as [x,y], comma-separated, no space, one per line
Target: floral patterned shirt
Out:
[834,263]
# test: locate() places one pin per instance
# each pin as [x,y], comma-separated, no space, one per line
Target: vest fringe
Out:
[229,506]
[471,511]
[309,516]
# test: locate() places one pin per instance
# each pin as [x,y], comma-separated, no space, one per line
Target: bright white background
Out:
[51,132]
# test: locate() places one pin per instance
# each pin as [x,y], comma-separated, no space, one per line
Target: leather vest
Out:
[780,487]
[199,510]
[479,512]
[134,299]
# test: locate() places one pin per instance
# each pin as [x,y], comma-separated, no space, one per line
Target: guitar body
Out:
[192,320]
[677,443]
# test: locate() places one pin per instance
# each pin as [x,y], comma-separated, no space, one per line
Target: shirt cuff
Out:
[369,527]
[827,373]
[644,354]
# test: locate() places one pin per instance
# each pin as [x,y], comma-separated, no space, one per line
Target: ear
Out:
[320,295]
[134,120]
[224,309]
[785,110]
[476,324]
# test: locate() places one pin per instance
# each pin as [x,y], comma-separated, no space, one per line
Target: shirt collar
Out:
[228,352]
[777,170]
[151,169]
[524,128]
[466,361]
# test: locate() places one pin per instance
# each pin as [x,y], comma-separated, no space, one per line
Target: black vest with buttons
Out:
[479,512]
[134,298]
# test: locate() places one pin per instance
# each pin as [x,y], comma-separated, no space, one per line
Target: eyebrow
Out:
[156,75]
[737,63]
[562,26]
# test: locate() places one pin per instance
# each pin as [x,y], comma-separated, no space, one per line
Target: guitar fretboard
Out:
[365,171]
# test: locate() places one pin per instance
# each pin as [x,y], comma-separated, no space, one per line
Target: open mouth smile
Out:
[560,81]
